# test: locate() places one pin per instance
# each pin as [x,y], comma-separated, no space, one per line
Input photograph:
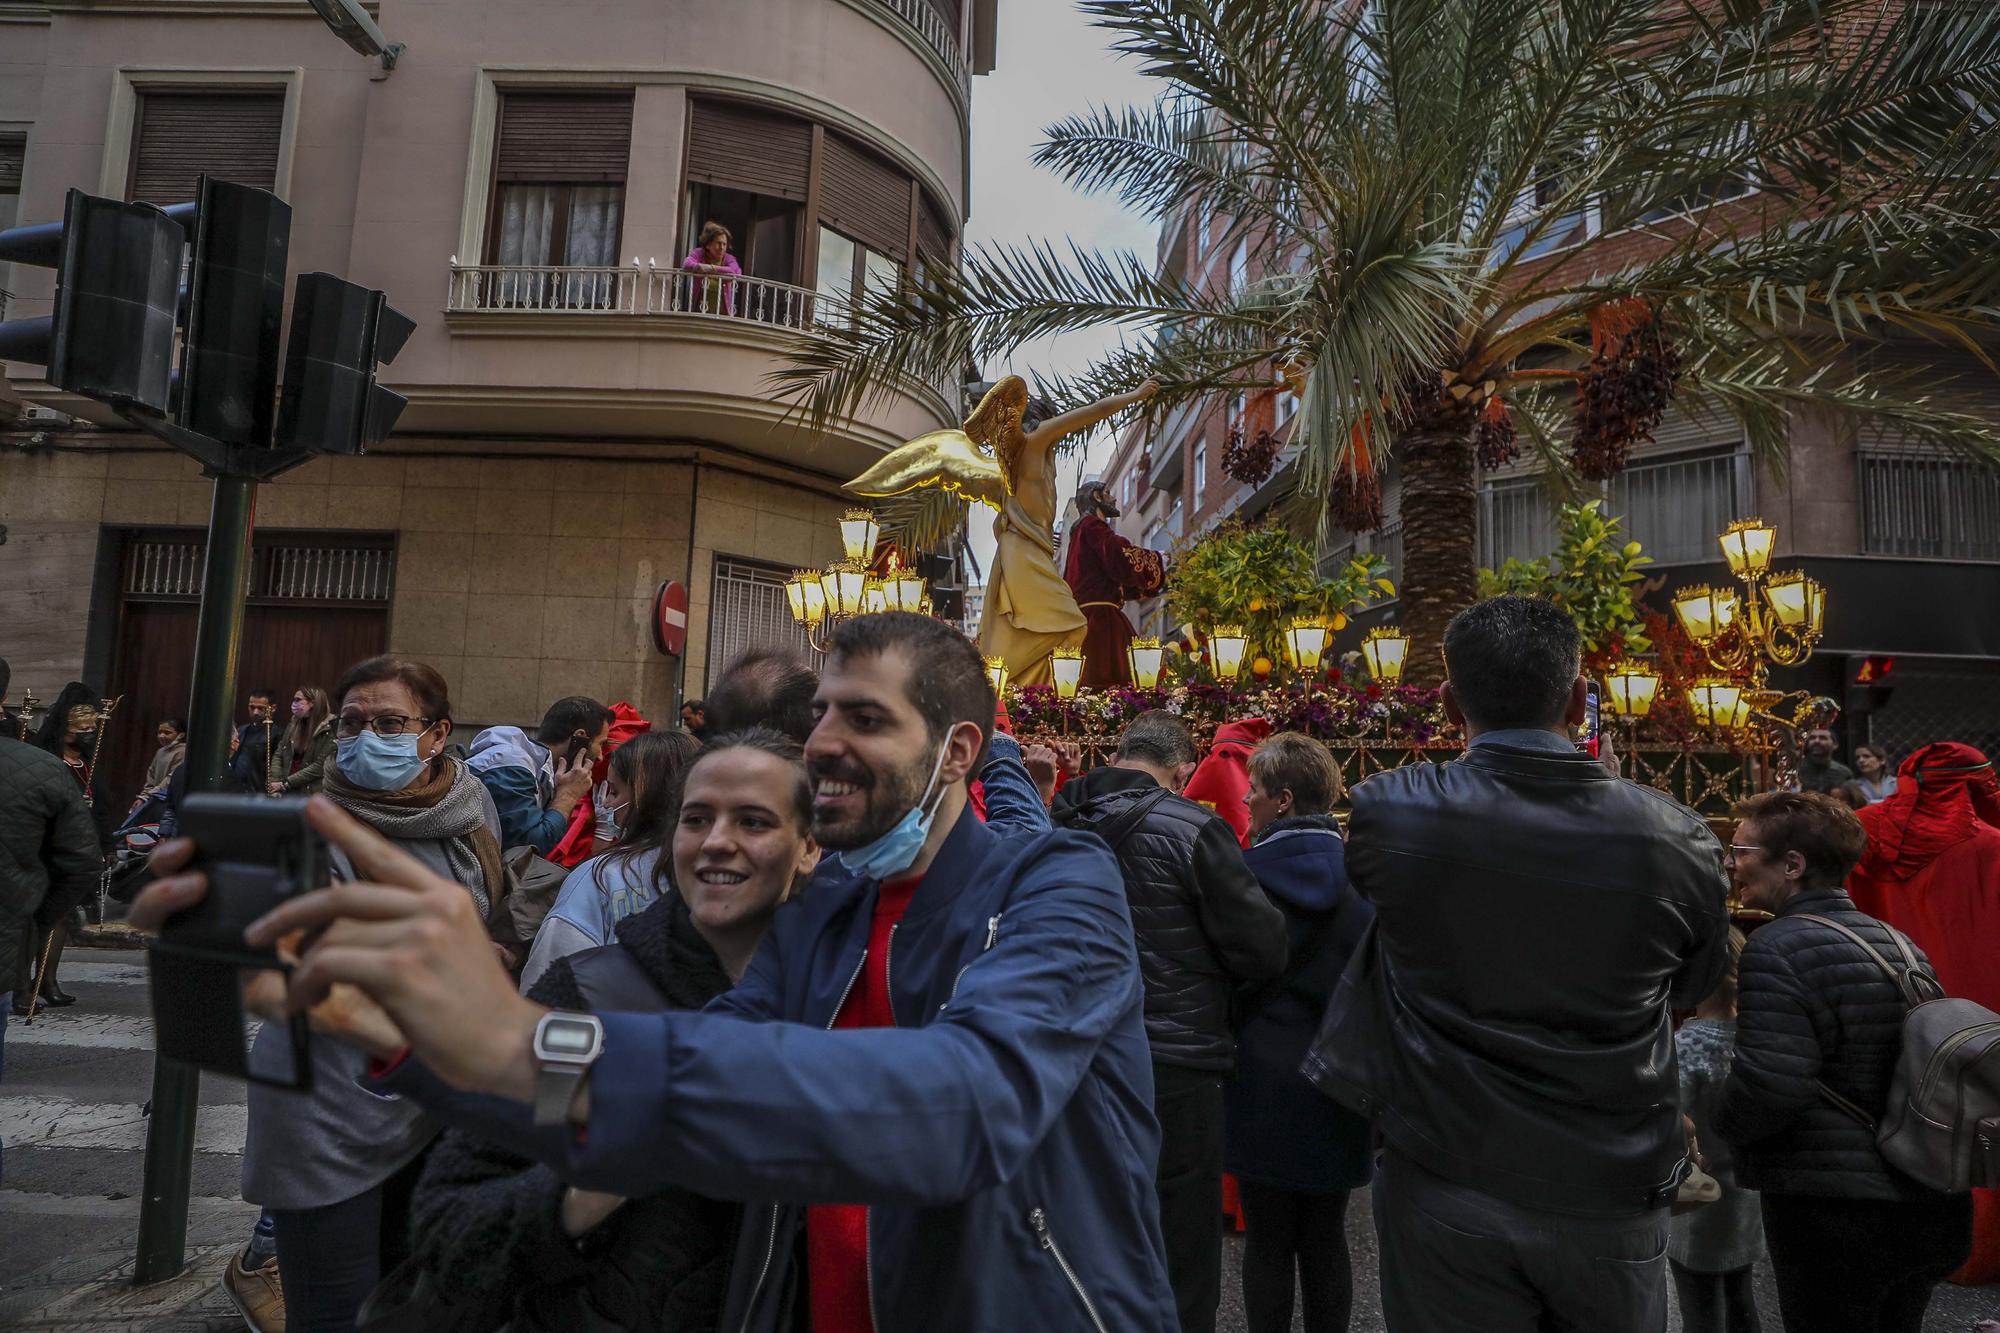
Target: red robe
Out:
[1103,571]
[1932,870]
[1223,778]
[574,849]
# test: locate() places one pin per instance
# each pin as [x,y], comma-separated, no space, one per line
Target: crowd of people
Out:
[833,1008]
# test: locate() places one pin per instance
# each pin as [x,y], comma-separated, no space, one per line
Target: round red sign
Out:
[670,617]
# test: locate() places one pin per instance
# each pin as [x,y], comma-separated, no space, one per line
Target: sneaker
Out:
[256,1293]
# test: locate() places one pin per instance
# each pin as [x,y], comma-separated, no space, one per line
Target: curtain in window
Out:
[593,241]
[527,214]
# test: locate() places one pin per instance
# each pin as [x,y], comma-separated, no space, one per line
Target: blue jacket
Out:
[1281,1130]
[520,777]
[1004,1133]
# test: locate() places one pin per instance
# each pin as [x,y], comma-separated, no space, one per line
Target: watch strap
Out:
[555,1089]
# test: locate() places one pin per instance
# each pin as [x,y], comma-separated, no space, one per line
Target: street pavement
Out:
[72,1121]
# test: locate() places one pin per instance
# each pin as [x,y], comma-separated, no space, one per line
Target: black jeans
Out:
[1716,1302]
[1862,1264]
[1459,1260]
[1188,1103]
[1289,1237]
[332,1257]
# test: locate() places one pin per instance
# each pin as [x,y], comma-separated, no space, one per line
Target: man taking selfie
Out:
[935,1073]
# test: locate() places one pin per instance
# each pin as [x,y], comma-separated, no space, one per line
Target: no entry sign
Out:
[670,617]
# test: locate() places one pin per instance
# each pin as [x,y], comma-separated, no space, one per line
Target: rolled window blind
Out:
[12,152]
[232,135]
[864,197]
[933,231]
[743,147]
[564,136]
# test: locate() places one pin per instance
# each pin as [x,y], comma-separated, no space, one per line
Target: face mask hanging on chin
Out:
[379,763]
[893,852]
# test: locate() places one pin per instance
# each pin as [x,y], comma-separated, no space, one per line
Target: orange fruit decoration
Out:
[1261,668]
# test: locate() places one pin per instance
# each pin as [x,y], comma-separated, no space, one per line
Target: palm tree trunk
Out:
[1440,505]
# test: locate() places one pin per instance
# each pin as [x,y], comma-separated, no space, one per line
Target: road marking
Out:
[63,1027]
[57,1122]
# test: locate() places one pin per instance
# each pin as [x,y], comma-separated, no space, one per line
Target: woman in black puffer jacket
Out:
[1855,1244]
[502,1238]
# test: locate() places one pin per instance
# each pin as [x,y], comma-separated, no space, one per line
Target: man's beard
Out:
[888,800]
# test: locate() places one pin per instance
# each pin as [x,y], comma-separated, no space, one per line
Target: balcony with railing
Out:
[937,34]
[530,289]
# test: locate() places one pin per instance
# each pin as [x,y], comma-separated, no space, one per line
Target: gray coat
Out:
[49,859]
[339,1140]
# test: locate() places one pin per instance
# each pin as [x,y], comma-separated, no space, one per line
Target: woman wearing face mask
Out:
[635,817]
[335,1166]
[307,746]
[69,732]
[503,1239]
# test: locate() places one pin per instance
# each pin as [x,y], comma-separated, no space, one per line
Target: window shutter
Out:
[232,135]
[12,153]
[933,232]
[864,197]
[743,147]
[548,137]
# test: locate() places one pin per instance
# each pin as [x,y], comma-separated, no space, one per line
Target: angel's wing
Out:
[929,519]
[946,460]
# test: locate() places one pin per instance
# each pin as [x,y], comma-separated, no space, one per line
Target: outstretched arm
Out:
[1045,435]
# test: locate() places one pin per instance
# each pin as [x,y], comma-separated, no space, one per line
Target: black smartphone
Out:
[577,745]
[1592,719]
[256,852]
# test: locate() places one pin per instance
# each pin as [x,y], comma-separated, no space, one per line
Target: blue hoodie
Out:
[1281,1131]
[519,773]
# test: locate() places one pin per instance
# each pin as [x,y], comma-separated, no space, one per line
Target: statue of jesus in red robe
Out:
[1103,571]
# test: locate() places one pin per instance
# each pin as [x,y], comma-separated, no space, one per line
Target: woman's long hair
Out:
[653,766]
[55,723]
[299,732]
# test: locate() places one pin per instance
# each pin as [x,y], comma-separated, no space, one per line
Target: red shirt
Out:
[837,1233]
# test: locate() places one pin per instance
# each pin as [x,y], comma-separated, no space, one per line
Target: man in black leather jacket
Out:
[1506,1023]
[1203,926]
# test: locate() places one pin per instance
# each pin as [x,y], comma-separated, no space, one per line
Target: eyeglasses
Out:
[1737,848]
[389,724]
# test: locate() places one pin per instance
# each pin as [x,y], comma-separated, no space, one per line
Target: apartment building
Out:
[1906,542]
[586,419]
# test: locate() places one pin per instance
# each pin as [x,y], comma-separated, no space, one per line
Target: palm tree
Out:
[1772,189]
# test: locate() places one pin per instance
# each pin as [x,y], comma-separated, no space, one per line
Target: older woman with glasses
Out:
[335,1166]
[1855,1244]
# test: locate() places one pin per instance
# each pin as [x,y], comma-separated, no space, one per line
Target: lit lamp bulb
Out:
[996,671]
[858,531]
[1747,546]
[1815,608]
[1705,613]
[1146,654]
[1385,650]
[1792,597]
[806,596]
[874,596]
[1226,646]
[1305,640]
[846,586]
[1630,690]
[1714,700]
[1067,666]
[904,589]
[1739,716]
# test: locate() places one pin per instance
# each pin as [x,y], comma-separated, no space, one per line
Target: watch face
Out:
[567,1037]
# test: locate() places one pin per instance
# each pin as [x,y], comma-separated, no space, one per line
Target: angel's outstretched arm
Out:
[1045,435]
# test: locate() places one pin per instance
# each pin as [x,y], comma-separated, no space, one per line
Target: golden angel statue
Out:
[1030,611]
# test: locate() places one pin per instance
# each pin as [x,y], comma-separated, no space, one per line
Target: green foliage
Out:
[1260,577]
[1591,575]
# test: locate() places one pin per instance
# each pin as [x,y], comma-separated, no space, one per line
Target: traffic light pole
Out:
[163,1207]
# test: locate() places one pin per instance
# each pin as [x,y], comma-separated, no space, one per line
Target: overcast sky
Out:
[1051,63]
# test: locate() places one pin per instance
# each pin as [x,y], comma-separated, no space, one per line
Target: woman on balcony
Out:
[711,255]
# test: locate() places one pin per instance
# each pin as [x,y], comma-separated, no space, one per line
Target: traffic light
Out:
[118,271]
[340,332]
[236,304]
[1870,682]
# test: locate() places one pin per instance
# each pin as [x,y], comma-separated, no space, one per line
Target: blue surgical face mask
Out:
[379,763]
[892,853]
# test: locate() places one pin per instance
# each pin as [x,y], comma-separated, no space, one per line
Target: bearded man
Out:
[1104,571]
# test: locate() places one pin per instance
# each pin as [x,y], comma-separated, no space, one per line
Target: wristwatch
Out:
[566,1045]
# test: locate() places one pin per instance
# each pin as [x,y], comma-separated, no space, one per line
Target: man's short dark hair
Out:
[1816,826]
[568,716]
[1293,761]
[1159,738]
[265,694]
[421,679]
[948,680]
[1512,662]
[179,724]
[763,687]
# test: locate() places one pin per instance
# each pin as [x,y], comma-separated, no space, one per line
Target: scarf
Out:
[445,807]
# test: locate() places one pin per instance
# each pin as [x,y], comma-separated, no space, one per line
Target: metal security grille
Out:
[1516,520]
[344,574]
[1939,700]
[1676,506]
[1915,504]
[748,609]
[1386,541]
